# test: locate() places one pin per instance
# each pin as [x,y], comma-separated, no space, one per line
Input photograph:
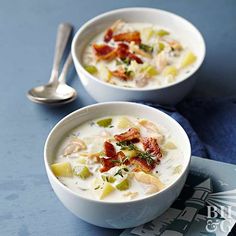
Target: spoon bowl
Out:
[52,93]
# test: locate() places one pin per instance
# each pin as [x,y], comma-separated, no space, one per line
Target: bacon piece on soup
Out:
[110,31]
[130,135]
[128,37]
[136,58]
[142,165]
[150,145]
[108,35]
[111,160]
[123,51]
[121,74]
[109,150]
[104,52]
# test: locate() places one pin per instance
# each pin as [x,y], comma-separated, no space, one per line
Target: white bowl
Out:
[116,214]
[102,91]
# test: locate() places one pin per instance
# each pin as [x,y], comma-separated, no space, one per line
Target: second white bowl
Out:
[102,91]
[116,214]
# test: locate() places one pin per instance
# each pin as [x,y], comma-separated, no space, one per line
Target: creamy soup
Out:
[118,158]
[138,55]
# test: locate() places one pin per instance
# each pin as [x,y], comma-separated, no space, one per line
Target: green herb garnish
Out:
[97,187]
[146,48]
[124,145]
[128,72]
[126,61]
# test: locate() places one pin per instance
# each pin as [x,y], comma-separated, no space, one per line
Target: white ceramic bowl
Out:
[102,91]
[116,214]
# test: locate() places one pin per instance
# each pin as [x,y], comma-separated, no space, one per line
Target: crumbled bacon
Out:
[121,74]
[108,35]
[142,165]
[136,58]
[128,37]
[109,150]
[131,134]
[150,145]
[104,52]
[123,53]
[123,50]
[112,160]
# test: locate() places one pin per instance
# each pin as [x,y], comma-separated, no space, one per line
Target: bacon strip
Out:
[142,165]
[121,74]
[123,53]
[112,160]
[150,145]
[104,52]
[128,37]
[136,58]
[109,150]
[108,35]
[110,31]
[130,135]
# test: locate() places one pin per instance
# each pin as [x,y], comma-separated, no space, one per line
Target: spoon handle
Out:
[68,63]
[63,33]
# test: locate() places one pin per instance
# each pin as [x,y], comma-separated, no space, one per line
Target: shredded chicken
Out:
[155,184]
[76,144]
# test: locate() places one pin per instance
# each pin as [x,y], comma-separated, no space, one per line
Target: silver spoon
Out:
[56,92]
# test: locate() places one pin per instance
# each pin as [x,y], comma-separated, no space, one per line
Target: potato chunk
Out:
[188,59]
[170,71]
[107,189]
[124,123]
[62,169]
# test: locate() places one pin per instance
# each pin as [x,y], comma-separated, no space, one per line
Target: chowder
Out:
[118,158]
[138,55]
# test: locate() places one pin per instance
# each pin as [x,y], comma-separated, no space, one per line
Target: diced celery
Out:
[62,169]
[124,122]
[104,122]
[107,189]
[188,59]
[170,70]
[147,33]
[162,32]
[123,185]
[91,69]
[84,173]
[161,47]
[109,179]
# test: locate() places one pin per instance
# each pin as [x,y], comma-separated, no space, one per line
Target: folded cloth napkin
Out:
[210,125]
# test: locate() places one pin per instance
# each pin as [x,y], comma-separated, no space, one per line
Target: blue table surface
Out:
[28,205]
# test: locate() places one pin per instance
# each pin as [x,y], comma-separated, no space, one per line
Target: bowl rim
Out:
[58,182]
[134,9]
